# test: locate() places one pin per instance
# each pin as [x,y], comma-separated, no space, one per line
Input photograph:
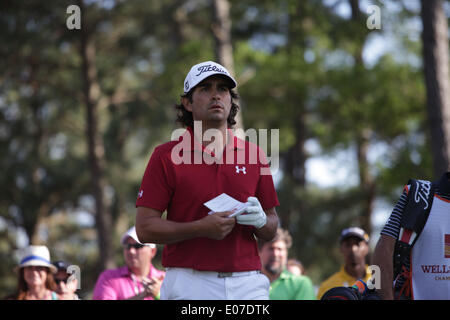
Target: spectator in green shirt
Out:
[283,284]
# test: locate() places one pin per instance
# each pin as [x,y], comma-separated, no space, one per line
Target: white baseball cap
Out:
[132,234]
[203,70]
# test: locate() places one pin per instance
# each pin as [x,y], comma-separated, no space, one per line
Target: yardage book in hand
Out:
[225,202]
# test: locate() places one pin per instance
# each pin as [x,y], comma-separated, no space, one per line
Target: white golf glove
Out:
[255,214]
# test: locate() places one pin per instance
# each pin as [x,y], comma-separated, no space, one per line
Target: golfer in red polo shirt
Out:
[208,255]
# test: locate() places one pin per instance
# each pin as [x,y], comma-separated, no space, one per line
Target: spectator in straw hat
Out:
[137,280]
[35,271]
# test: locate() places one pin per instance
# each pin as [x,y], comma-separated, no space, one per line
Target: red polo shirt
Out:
[181,188]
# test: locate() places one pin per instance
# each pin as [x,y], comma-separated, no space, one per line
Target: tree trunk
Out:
[41,208]
[367,184]
[221,28]
[91,93]
[180,24]
[366,181]
[436,69]
[296,156]
[295,161]
[295,166]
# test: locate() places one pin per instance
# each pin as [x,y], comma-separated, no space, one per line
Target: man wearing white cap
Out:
[137,280]
[211,256]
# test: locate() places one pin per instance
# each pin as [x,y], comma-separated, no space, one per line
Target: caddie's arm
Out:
[383,257]
[151,228]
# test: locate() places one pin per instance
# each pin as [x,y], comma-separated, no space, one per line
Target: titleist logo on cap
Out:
[208,68]
[203,70]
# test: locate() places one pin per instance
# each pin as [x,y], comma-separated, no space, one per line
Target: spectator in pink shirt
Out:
[138,280]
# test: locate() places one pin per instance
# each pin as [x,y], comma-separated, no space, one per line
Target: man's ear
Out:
[153,254]
[186,103]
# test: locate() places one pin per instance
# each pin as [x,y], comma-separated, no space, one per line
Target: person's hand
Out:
[218,225]
[152,286]
[255,214]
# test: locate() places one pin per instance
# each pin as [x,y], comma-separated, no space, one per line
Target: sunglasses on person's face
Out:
[137,246]
[58,281]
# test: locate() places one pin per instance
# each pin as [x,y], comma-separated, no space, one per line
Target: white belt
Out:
[220,274]
[237,274]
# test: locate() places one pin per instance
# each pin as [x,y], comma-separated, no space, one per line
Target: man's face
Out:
[274,256]
[137,255]
[63,286]
[354,251]
[211,100]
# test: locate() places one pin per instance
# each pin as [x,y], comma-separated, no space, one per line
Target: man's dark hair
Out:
[281,235]
[185,117]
